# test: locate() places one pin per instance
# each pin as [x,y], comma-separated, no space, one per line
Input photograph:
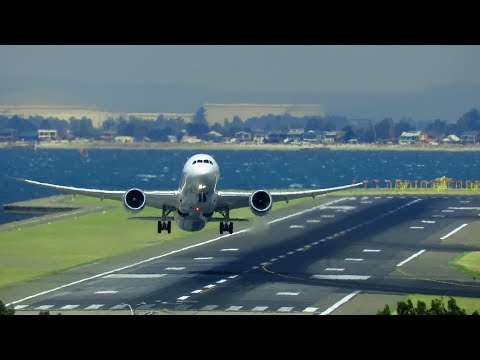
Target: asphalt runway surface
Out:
[313,259]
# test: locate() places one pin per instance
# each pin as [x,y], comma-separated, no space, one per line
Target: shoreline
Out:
[242,146]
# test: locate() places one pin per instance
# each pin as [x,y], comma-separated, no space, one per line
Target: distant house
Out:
[311,137]
[47,134]
[469,137]
[242,136]
[409,137]
[276,137]
[328,136]
[451,139]
[190,139]
[124,139]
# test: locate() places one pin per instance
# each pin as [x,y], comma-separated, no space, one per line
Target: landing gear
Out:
[165,225]
[202,197]
[226,226]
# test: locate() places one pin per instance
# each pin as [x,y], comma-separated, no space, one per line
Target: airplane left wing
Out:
[234,200]
[153,198]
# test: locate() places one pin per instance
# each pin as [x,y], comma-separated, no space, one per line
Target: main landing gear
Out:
[165,225]
[225,226]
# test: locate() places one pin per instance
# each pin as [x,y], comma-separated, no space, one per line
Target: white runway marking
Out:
[221,281]
[175,268]
[464,208]
[209,286]
[234,308]
[260,308]
[377,197]
[465,201]
[106,292]
[327,216]
[290,253]
[285,309]
[20,307]
[232,276]
[130,266]
[313,221]
[428,221]
[229,250]
[372,250]
[133,276]
[449,211]
[416,227]
[94,307]
[315,243]
[389,197]
[366,202]
[440,216]
[411,257]
[334,269]
[183,297]
[43,307]
[196,291]
[288,293]
[273,259]
[322,240]
[341,277]
[209,307]
[203,258]
[254,267]
[69,307]
[453,231]
[353,259]
[281,256]
[296,226]
[340,303]
[310,309]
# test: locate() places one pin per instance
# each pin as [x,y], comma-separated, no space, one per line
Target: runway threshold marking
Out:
[340,303]
[341,277]
[453,231]
[310,309]
[411,257]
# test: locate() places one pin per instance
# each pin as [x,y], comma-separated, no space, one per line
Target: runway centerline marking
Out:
[416,227]
[229,249]
[297,226]
[428,221]
[341,277]
[175,268]
[288,293]
[353,259]
[133,276]
[334,269]
[464,208]
[340,303]
[106,292]
[372,250]
[411,257]
[453,231]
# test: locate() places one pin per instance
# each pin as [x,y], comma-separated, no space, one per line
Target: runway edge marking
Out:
[339,303]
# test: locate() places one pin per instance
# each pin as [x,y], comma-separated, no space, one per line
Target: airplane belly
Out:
[190,223]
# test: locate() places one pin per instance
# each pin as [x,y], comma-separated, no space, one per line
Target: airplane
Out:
[196,199]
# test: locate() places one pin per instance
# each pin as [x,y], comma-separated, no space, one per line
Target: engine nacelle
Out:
[260,202]
[134,200]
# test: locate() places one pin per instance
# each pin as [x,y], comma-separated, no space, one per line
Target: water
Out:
[115,169]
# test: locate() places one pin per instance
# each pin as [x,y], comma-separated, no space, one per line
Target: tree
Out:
[385,311]
[385,129]
[402,126]
[453,308]
[421,308]
[469,121]
[437,307]
[349,133]
[6,311]
[200,116]
[405,308]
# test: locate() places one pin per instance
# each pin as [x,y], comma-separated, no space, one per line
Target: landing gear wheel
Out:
[221,227]
[169,226]
[230,228]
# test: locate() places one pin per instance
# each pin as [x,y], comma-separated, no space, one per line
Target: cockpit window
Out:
[200,161]
[194,162]
[205,161]
[210,161]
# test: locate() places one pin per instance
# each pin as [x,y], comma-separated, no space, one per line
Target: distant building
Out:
[124,139]
[8,135]
[242,136]
[217,113]
[409,137]
[451,139]
[469,137]
[47,134]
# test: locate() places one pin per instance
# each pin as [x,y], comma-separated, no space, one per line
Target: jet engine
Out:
[260,202]
[134,200]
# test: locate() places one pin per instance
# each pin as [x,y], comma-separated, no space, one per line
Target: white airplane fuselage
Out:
[197,192]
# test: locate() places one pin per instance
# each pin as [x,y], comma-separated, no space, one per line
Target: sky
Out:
[362,81]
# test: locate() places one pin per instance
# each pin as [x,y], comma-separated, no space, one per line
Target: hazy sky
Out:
[422,82]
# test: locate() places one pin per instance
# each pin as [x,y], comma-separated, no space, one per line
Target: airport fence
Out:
[439,184]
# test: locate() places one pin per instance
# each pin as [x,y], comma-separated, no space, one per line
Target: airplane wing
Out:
[234,200]
[153,198]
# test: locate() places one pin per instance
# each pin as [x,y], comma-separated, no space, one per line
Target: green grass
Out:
[468,263]
[469,304]
[44,249]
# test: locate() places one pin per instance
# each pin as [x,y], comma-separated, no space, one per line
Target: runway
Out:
[311,259]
